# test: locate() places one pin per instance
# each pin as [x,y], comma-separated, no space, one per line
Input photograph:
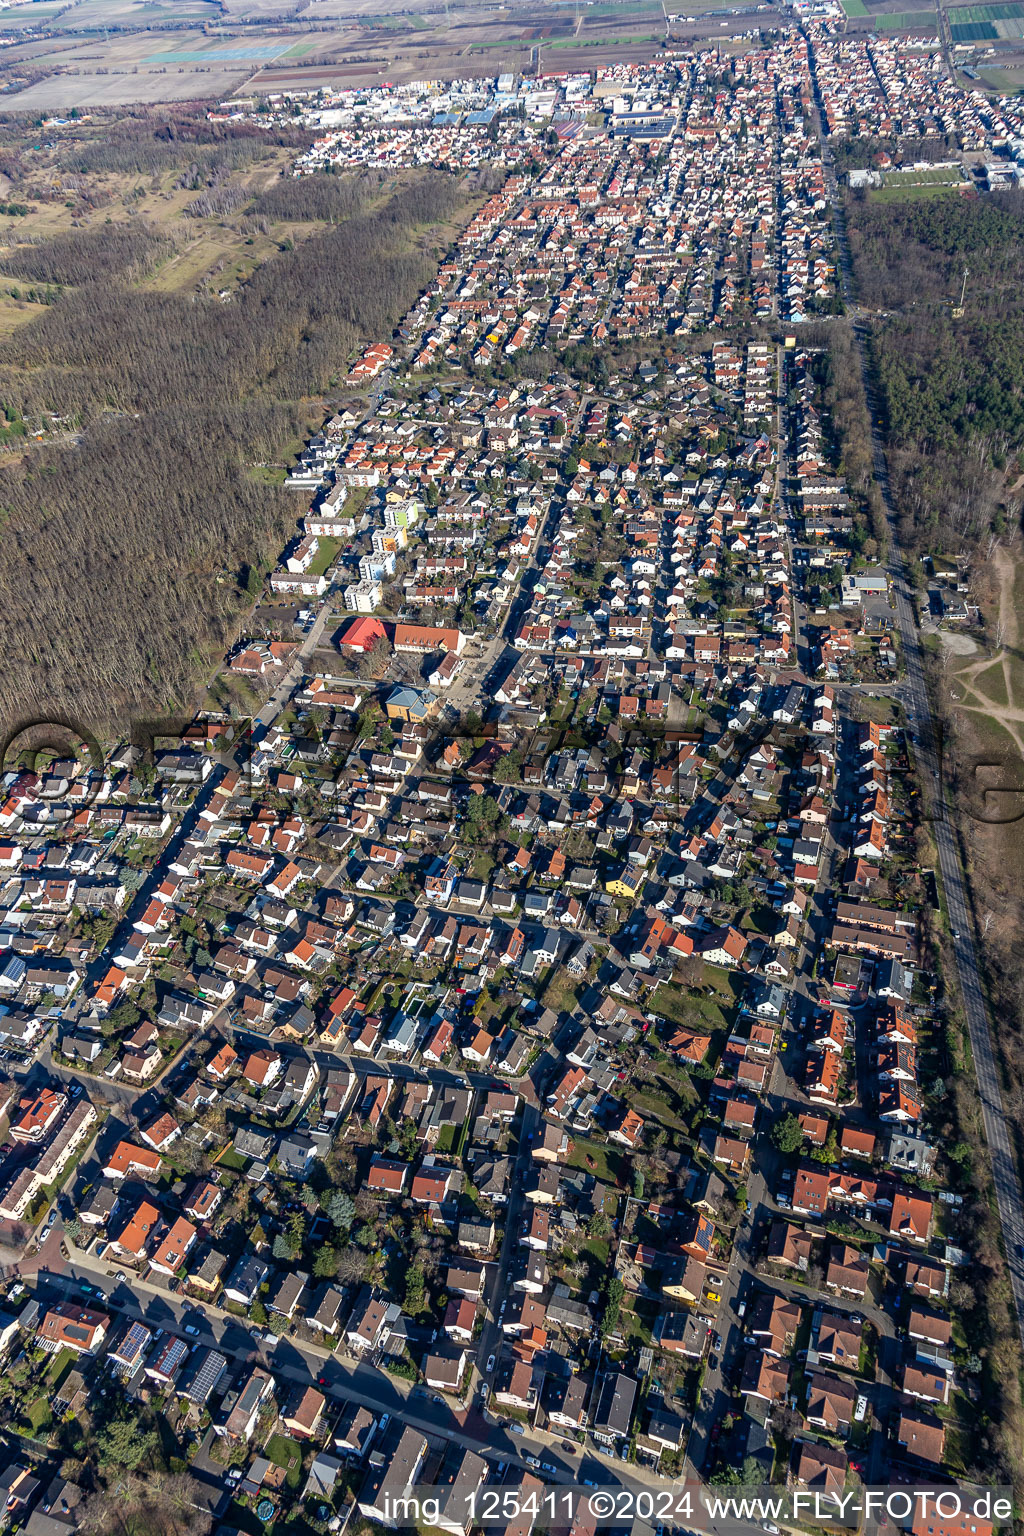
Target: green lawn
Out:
[446,1139]
[39,1417]
[325,556]
[285,1453]
[604,1162]
[694,1011]
[855,8]
[662,1103]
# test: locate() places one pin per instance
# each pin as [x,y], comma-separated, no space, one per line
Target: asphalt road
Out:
[341,1378]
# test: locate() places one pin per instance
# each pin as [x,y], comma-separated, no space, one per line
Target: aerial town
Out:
[503,1044]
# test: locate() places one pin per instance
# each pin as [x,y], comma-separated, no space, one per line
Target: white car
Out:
[490,1364]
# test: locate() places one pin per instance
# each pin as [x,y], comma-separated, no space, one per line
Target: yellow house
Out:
[625,884]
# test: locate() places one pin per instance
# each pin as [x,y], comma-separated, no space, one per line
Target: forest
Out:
[105,251]
[127,554]
[953,388]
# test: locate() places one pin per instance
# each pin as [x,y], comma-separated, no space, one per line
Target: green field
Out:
[855,8]
[909,21]
[973,32]
[938,176]
[901,194]
[1008,10]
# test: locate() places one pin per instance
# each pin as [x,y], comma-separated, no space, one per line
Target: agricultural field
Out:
[174,55]
[909,21]
[987,23]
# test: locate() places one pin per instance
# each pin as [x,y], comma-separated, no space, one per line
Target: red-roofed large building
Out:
[420,639]
[362,634]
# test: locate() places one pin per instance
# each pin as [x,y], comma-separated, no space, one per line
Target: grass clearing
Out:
[604,1162]
[691,1009]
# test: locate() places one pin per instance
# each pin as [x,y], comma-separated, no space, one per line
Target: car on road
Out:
[192,1331]
[532,1461]
[956,933]
[548,1466]
[567,1445]
[716,1340]
[517,1429]
[712,1363]
[437,1398]
[490,1364]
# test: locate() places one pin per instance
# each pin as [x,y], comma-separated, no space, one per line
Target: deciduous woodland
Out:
[124,557]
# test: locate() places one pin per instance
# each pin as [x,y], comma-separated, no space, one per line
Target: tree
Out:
[325,1262]
[352,1265]
[614,1292]
[829,1153]
[341,1210]
[124,1443]
[415,1290]
[787,1134]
